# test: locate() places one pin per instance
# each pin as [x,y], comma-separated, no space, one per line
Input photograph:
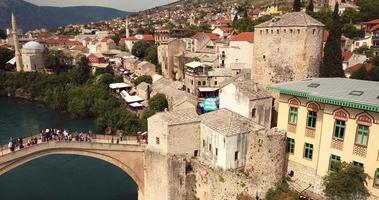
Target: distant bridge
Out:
[127,155]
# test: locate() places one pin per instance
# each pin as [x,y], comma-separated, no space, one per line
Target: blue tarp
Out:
[210,104]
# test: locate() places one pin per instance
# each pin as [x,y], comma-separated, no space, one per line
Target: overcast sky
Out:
[127,5]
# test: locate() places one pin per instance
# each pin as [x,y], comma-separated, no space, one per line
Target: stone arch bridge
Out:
[128,156]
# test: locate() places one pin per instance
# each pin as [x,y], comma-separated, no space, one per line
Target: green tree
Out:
[81,72]
[143,78]
[116,38]
[158,102]
[351,31]
[310,7]
[368,9]
[374,74]
[139,48]
[361,74]
[3,34]
[365,50]
[152,55]
[5,56]
[347,182]
[332,61]
[56,60]
[324,15]
[296,5]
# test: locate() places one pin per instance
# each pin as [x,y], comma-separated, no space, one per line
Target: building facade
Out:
[31,54]
[329,121]
[288,47]
[241,44]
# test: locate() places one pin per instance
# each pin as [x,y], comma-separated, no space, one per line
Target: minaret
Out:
[127,28]
[17,53]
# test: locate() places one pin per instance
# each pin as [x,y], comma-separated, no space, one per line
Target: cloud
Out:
[127,5]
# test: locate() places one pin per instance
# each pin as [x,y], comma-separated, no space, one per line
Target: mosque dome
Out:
[33,46]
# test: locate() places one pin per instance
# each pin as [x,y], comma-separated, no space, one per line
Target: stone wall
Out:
[166,177]
[286,53]
[266,157]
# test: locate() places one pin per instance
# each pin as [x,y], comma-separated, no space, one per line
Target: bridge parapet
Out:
[128,157]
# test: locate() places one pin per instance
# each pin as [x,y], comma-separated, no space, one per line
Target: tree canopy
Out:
[81,72]
[152,55]
[332,61]
[3,34]
[139,48]
[143,78]
[158,102]
[56,60]
[5,56]
[310,6]
[346,182]
[296,5]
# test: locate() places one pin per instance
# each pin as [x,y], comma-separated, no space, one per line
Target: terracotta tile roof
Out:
[224,21]
[211,35]
[78,47]
[325,36]
[346,55]
[148,37]
[374,28]
[355,68]
[226,29]
[88,39]
[375,21]
[244,36]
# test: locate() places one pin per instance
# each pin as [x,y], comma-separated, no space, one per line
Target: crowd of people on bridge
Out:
[49,135]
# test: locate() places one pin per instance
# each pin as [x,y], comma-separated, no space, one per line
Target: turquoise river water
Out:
[57,177]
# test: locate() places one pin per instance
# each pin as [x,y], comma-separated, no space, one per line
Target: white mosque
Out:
[30,57]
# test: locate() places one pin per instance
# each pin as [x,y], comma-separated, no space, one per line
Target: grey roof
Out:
[222,72]
[335,91]
[179,116]
[229,123]
[247,87]
[292,19]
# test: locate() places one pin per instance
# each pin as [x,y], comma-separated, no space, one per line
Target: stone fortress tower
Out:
[288,47]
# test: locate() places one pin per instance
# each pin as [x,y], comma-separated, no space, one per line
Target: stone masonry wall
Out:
[265,160]
[286,53]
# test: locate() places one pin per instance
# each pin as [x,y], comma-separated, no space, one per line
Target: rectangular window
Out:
[358,164]
[293,115]
[203,143]
[312,118]
[362,135]
[216,151]
[157,140]
[210,147]
[376,178]
[308,151]
[334,162]
[290,146]
[236,155]
[339,129]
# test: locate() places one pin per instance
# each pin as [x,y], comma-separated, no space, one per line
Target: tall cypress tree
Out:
[332,62]
[310,6]
[296,6]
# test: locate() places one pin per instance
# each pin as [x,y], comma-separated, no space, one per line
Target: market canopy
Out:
[119,85]
[194,64]
[135,105]
[207,89]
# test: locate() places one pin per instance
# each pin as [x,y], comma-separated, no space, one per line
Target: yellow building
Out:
[330,120]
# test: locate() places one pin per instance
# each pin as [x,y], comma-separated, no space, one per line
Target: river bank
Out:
[61,92]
